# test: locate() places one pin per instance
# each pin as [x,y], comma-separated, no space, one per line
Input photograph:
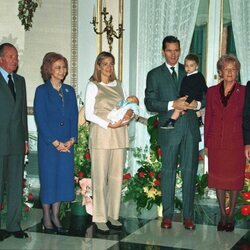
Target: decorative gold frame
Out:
[74,44]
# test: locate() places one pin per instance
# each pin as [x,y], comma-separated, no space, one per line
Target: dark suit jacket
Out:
[246,116]
[13,125]
[159,91]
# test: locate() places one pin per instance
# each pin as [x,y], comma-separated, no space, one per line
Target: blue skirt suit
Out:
[56,119]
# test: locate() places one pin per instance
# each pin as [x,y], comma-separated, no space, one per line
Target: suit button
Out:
[61,124]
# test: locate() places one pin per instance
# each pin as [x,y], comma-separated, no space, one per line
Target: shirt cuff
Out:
[104,124]
[198,105]
[170,105]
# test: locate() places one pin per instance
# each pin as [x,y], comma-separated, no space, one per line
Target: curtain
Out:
[157,19]
[241,29]
[230,40]
[198,46]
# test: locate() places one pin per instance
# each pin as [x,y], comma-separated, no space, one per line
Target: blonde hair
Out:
[96,77]
[229,58]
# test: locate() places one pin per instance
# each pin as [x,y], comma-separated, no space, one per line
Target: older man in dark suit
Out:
[162,96]
[13,137]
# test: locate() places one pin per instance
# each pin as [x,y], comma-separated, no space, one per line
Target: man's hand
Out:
[192,105]
[180,103]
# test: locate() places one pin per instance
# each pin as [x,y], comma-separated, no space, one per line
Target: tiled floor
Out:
[136,234]
[140,231]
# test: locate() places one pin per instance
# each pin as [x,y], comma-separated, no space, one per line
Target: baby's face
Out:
[190,66]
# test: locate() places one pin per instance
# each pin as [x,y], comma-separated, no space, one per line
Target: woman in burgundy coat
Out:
[224,138]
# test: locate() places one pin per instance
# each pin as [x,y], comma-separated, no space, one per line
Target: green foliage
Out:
[64,208]
[26,10]
[152,130]
[82,165]
[82,161]
[201,184]
[243,211]
[144,187]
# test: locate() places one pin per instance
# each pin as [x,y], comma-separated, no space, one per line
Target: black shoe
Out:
[99,230]
[229,227]
[105,232]
[169,124]
[221,226]
[62,230]
[59,230]
[46,229]
[4,234]
[111,226]
[19,234]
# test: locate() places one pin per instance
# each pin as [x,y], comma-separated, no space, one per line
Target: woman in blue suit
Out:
[56,115]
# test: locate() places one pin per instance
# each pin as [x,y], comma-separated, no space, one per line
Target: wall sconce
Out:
[109,28]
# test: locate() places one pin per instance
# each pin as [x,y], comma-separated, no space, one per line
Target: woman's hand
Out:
[61,146]
[118,124]
[68,144]
[129,115]
[206,151]
[247,151]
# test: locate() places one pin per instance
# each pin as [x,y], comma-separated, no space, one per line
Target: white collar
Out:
[195,72]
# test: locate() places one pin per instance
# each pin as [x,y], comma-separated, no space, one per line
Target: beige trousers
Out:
[106,174]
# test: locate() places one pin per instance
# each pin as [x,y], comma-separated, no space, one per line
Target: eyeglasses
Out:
[229,70]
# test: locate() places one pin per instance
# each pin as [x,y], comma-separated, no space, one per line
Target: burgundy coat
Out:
[223,126]
[224,138]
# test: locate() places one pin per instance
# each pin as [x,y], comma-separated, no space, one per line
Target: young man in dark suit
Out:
[13,138]
[162,96]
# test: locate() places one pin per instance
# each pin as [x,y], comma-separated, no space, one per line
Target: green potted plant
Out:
[82,170]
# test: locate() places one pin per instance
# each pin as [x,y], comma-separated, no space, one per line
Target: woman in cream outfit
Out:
[108,143]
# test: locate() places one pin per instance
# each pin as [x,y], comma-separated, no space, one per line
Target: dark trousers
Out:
[188,151]
[11,176]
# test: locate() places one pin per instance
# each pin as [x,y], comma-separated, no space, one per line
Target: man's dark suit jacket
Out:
[246,116]
[159,91]
[13,125]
